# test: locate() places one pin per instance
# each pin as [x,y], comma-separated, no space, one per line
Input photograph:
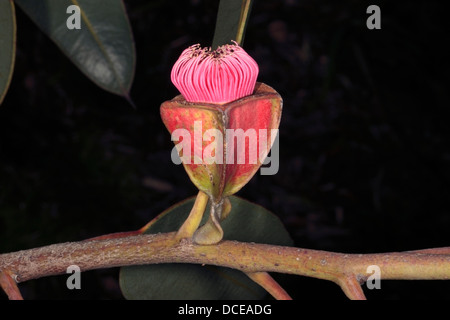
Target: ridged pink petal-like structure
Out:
[215,76]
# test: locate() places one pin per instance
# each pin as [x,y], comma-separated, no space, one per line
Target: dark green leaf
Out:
[231,21]
[103,48]
[247,222]
[7,45]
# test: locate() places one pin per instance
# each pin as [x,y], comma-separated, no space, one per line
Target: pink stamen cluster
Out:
[215,76]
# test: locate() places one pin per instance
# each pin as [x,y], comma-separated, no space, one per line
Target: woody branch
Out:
[347,270]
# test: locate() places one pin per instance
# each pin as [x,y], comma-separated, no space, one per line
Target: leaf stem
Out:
[245,13]
[351,288]
[266,281]
[8,284]
[231,22]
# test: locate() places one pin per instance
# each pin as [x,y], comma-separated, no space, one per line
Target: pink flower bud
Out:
[215,76]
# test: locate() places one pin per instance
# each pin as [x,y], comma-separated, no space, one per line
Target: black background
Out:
[364,136]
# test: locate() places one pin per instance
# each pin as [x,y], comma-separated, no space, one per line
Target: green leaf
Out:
[7,45]
[231,21]
[247,222]
[103,48]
